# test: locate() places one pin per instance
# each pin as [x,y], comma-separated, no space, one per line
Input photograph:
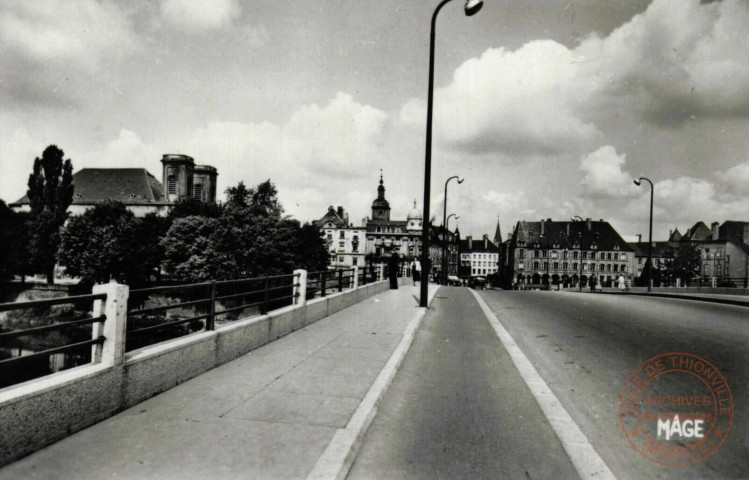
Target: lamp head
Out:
[637,182]
[460,180]
[473,6]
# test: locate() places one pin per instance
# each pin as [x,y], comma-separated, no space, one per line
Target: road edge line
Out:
[583,456]
[339,455]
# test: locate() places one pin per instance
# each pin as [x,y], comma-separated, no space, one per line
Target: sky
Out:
[547,108]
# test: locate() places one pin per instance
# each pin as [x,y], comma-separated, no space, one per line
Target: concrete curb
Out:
[681,296]
[582,454]
[339,456]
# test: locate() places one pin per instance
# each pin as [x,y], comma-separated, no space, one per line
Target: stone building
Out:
[478,258]
[345,242]
[567,253]
[140,191]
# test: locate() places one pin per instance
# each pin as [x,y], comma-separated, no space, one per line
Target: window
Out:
[564,266]
[535,265]
[330,236]
[608,256]
[616,256]
[522,253]
[556,265]
[198,191]
[536,253]
[355,261]
[574,266]
[616,267]
[574,255]
[172,184]
[342,235]
[546,265]
[340,259]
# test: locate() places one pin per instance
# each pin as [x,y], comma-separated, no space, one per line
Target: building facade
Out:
[567,253]
[478,258]
[137,189]
[346,243]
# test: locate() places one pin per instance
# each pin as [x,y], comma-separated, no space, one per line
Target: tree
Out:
[190,207]
[13,241]
[313,249]
[197,249]
[686,263]
[50,194]
[103,244]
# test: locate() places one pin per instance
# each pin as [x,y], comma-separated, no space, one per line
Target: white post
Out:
[714,281]
[356,277]
[301,299]
[114,307]
[678,282]
[380,273]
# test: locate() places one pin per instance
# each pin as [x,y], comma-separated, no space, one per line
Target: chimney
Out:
[340,211]
[543,224]
[639,238]
[470,243]
[568,229]
[588,223]
[486,241]
[714,227]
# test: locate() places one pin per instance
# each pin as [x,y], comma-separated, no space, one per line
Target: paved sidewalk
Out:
[269,414]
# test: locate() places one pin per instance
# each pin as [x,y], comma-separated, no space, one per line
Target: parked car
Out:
[477,283]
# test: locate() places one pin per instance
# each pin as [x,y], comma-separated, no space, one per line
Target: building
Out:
[385,236]
[478,258]
[662,252]
[345,242]
[140,191]
[566,253]
[723,251]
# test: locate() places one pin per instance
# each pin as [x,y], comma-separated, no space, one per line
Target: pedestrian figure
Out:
[416,270]
[393,270]
[622,283]
[592,284]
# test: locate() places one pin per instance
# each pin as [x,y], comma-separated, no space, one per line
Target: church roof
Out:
[131,186]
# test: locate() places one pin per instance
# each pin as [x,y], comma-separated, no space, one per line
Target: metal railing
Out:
[200,305]
[325,282]
[11,340]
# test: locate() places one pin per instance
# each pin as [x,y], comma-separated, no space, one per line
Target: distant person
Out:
[622,283]
[592,284]
[393,270]
[416,270]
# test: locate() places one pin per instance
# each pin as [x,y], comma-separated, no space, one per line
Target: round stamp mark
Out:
[676,409]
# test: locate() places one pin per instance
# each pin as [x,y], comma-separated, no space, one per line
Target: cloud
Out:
[736,178]
[518,102]
[678,61]
[200,15]
[254,36]
[17,155]
[125,151]
[604,177]
[47,43]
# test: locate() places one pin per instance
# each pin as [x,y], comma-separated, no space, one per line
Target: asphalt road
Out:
[458,408]
[585,346]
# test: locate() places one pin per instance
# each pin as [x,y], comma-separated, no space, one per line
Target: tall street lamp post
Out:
[471,8]
[444,224]
[650,233]
[446,251]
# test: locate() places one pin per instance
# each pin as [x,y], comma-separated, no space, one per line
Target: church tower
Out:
[381,207]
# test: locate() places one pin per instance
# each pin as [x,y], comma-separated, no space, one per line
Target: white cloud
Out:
[604,177]
[255,36]
[736,178]
[17,152]
[200,15]
[125,151]
[679,60]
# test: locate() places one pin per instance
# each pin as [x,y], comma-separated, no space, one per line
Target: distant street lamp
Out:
[471,8]
[444,237]
[582,230]
[446,251]
[650,233]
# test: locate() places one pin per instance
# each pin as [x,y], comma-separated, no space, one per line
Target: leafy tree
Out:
[313,249]
[686,263]
[13,241]
[198,249]
[190,207]
[103,244]
[50,194]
